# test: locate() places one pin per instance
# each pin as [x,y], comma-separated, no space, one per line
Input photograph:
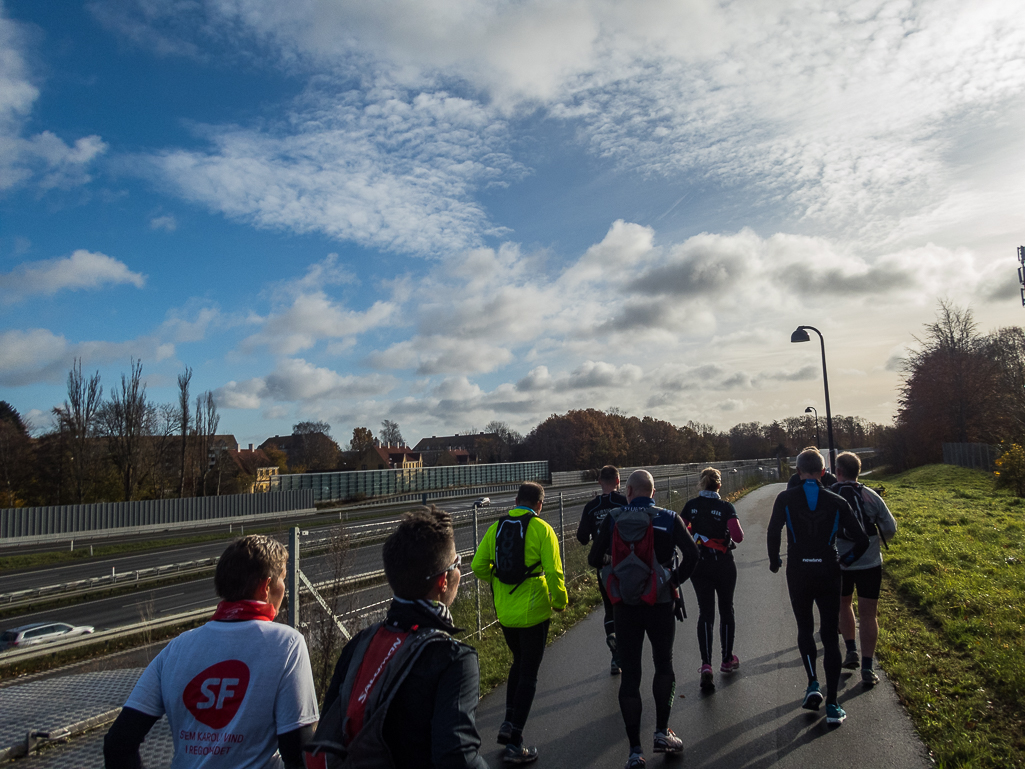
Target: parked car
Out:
[483,502]
[40,633]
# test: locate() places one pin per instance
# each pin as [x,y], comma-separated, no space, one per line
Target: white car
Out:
[40,633]
[483,502]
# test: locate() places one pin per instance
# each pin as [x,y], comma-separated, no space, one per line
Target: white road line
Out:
[149,600]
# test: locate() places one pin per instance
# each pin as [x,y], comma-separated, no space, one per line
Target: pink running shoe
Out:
[730,665]
[706,677]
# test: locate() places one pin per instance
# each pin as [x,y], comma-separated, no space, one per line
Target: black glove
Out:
[679,610]
[774,566]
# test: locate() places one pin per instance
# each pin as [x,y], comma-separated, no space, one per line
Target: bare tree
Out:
[126,418]
[207,420]
[78,418]
[390,433]
[184,420]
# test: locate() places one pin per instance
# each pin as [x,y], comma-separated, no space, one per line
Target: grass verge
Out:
[952,614]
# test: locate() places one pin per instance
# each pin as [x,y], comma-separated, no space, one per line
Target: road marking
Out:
[182,606]
[149,600]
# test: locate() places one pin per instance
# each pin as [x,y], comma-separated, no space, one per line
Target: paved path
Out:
[753,719]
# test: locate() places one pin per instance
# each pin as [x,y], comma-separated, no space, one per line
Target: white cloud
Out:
[82,270]
[390,169]
[43,158]
[296,380]
[39,355]
[167,222]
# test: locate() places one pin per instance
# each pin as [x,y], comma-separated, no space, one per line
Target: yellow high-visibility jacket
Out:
[532,602]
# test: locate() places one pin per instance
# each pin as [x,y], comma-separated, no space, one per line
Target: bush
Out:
[1010,472]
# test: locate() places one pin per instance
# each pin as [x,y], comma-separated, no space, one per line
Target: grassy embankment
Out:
[952,614]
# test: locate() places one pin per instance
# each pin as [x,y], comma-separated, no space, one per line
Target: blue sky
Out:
[444,212]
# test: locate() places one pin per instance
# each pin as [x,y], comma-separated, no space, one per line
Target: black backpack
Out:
[851,492]
[510,551]
[367,750]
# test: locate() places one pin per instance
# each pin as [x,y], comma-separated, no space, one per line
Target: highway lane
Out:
[127,609]
[38,577]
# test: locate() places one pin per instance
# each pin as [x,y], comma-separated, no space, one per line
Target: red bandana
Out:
[239,611]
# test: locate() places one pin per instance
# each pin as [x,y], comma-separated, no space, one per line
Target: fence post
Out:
[476,544]
[562,533]
[293,577]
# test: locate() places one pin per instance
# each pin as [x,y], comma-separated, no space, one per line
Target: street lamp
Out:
[801,335]
[808,411]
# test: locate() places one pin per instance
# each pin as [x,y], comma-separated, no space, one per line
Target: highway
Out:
[158,602]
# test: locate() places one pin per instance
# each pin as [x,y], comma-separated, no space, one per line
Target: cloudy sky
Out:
[444,212]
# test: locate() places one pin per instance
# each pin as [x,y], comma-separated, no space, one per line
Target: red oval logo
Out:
[214,696]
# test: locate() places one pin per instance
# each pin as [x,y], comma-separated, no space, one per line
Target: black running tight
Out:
[632,623]
[715,576]
[806,592]
[527,645]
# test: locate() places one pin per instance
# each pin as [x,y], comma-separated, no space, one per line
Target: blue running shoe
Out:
[812,696]
[835,714]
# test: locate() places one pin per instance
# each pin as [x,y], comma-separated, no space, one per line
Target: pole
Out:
[829,413]
[476,544]
[293,577]
[562,533]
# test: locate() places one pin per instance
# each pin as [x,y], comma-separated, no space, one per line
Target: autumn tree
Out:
[184,422]
[312,447]
[362,439]
[15,460]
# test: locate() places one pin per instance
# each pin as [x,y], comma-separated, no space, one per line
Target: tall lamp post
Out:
[801,335]
[809,410]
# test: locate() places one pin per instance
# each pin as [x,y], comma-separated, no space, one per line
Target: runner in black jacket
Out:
[715,527]
[812,517]
[656,620]
[590,522]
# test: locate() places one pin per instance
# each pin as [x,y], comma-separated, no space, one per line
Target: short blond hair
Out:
[849,464]
[246,564]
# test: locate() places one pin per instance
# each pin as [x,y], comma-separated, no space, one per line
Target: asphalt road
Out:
[752,720]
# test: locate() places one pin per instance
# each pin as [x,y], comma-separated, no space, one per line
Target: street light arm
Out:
[801,335]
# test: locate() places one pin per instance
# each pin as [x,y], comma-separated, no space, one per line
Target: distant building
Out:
[255,464]
[388,458]
[477,448]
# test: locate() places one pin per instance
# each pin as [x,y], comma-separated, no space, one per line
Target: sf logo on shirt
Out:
[214,696]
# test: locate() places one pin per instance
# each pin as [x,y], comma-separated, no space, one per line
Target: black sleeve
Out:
[126,734]
[586,528]
[688,550]
[455,742]
[773,534]
[338,677]
[602,543]
[290,746]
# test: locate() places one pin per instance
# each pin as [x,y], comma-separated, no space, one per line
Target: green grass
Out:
[952,615]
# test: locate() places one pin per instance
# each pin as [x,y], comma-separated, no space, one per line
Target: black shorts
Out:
[867,581]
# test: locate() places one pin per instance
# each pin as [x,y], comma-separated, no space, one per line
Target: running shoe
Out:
[505,733]
[707,681]
[519,754]
[852,660]
[835,714]
[614,669]
[636,761]
[667,742]
[869,677]
[812,696]
[730,665]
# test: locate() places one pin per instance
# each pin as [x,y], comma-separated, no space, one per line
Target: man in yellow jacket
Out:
[528,583]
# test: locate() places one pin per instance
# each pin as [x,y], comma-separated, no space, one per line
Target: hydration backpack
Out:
[852,494]
[332,746]
[510,551]
[635,576]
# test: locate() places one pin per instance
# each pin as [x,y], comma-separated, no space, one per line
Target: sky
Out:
[448,212]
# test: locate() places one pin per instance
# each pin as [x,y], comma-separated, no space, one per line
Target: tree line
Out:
[959,386]
[120,448]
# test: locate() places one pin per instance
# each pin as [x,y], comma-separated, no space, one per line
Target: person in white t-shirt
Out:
[238,692]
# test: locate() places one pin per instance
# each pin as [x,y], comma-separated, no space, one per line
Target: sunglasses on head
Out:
[455,565]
